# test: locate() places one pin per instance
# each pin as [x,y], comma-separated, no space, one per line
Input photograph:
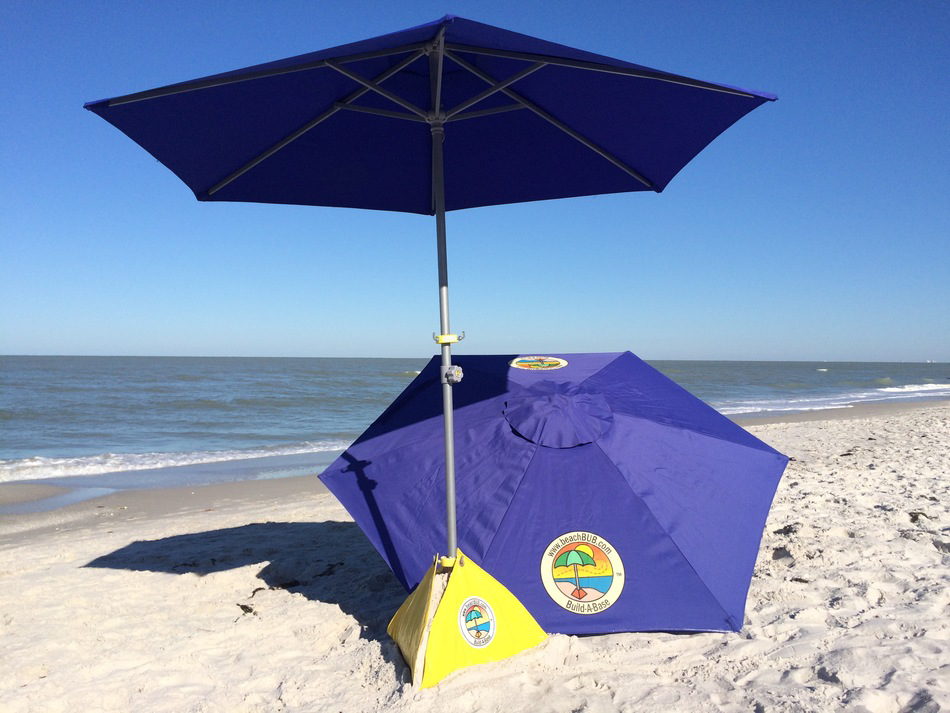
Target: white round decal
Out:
[477,622]
[582,572]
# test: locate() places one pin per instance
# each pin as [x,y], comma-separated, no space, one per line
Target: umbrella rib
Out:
[437,53]
[577,136]
[373,85]
[514,494]
[378,112]
[497,87]
[605,68]
[436,64]
[210,82]
[263,156]
[487,112]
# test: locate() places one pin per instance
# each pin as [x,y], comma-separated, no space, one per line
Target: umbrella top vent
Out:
[559,415]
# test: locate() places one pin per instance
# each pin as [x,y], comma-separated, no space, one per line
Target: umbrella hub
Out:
[559,415]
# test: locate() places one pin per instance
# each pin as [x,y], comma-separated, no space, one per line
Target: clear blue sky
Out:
[818,227]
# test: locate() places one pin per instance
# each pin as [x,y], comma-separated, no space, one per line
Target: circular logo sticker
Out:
[538,363]
[582,572]
[476,622]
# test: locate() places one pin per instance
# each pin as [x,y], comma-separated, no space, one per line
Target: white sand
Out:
[266,597]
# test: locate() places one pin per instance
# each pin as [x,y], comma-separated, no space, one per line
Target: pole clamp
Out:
[451,374]
[448,338]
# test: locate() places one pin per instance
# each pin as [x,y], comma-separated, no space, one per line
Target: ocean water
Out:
[127,422]
[601,584]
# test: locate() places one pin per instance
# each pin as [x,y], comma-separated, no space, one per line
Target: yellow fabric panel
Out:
[512,629]
[410,623]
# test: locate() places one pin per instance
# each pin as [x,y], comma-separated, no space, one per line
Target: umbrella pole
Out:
[445,338]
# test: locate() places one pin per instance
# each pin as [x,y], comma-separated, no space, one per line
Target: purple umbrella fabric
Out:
[306,130]
[599,492]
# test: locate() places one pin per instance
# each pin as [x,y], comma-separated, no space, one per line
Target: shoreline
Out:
[36,506]
[857,410]
[23,499]
[59,491]
[146,504]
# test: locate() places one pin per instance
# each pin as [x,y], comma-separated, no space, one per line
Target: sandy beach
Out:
[264,596]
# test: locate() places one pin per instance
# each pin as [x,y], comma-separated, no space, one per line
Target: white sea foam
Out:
[846,400]
[909,388]
[778,407]
[40,467]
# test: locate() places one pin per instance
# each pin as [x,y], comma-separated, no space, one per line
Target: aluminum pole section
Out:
[438,186]
[437,129]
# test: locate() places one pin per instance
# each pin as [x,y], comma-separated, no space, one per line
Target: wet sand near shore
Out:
[137,505]
[16,493]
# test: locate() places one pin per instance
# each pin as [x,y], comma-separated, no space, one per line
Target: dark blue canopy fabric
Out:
[581,124]
[663,498]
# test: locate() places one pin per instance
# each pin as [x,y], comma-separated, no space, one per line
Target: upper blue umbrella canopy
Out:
[663,498]
[524,120]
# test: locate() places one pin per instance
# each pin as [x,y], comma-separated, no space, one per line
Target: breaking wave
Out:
[41,467]
[908,392]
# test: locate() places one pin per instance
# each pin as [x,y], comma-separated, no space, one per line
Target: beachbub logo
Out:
[538,363]
[582,572]
[476,622]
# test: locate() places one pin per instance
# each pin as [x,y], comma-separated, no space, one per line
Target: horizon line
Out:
[647,359]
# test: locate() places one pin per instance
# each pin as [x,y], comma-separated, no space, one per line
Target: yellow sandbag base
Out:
[459,616]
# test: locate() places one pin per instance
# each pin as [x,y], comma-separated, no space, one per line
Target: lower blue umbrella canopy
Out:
[599,492]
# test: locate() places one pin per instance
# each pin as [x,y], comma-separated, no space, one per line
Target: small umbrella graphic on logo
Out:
[580,556]
[476,627]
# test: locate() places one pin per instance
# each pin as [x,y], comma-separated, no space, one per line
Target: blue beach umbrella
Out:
[600,493]
[447,115]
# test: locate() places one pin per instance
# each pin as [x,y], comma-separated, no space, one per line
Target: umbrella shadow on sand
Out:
[323,561]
